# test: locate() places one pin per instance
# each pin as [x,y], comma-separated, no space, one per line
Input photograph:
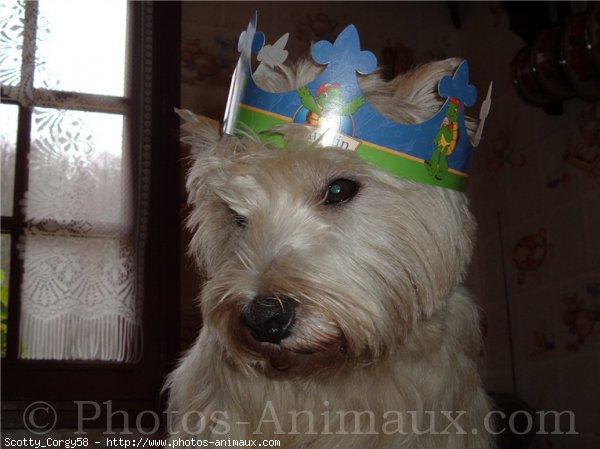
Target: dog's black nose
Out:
[269,318]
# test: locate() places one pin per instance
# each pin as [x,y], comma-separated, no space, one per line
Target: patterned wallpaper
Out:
[537,265]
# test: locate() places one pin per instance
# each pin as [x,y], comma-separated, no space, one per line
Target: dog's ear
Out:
[419,87]
[206,139]
[416,92]
[201,133]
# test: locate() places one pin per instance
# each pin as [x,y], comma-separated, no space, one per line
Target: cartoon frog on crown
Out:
[327,107]
[445,140]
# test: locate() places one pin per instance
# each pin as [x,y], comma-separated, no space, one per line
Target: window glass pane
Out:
[12,17]
[77,172]
[78,299]
[82,46]
[4,277]
[9,116]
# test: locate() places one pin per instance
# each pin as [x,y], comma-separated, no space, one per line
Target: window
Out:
[74,224]
[89,199]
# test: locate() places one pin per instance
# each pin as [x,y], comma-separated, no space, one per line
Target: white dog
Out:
[334,315]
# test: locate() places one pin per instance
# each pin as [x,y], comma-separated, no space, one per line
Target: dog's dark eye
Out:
[239,220]
[340,190]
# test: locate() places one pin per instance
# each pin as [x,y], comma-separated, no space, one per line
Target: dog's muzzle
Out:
[269,318]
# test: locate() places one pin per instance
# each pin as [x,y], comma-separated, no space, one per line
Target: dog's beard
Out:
[318,343]
[337,327]
[312,348]
[341,318]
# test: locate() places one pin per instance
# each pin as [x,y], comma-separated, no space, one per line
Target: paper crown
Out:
[437,151]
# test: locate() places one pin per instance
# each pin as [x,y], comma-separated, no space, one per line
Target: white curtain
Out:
[78,298]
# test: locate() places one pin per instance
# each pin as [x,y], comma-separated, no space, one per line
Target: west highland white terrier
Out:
[334,312]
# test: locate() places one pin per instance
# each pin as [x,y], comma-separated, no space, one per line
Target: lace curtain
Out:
[78,292]
[84,215]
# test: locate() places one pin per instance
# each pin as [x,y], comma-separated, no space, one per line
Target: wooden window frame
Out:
[131,387]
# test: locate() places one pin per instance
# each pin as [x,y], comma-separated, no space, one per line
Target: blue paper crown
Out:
[437,151]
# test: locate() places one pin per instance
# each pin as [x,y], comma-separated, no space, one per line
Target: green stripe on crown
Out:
[408,168]
[391,161]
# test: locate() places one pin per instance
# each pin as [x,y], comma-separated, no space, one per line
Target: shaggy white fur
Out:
[383,348]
